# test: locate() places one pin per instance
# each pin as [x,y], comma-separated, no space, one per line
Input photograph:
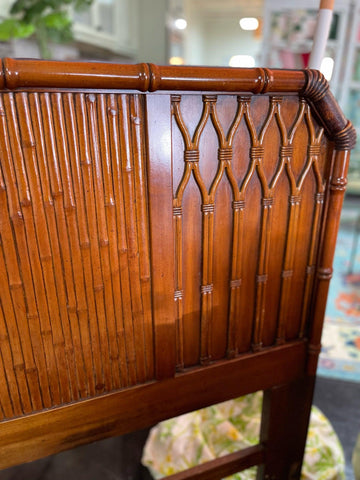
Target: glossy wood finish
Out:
[163,251]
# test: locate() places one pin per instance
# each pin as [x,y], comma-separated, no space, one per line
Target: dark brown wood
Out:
[162,235]
[163,251]
[28,438]
[224,466]
[285,418]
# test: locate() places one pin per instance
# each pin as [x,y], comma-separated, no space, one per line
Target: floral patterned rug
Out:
[340,356]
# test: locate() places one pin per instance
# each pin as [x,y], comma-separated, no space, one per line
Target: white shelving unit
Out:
[110,24]
[288,33]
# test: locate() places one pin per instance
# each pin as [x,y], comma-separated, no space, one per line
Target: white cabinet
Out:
[110,24]
[288,34]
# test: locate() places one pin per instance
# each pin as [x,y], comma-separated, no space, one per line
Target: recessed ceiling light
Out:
[180,23]
[249,23]
[242,61]
[176,61]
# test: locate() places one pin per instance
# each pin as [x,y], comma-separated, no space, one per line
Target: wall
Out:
[152,32]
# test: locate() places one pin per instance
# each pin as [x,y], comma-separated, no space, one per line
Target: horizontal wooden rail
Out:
[18,73]
[224,466]
[35,436]
[145,77]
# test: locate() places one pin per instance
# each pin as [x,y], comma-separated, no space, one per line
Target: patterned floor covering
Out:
[340,356]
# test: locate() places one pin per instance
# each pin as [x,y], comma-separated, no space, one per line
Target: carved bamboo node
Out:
[324,273]
[209,98]
[91,98]
[178,294]
[207,288]
[192,155]
[245,99]
[46,333]
[319,197]
[286,151]
[231,353]
[314,349]
[15,286]
[225,154]
[208,208]
[205,360]
[314,150]
[338,184]
[104,242]
[113,111]
[177,211]
[310,269]
[261,278]
[32,316]
[257,153]
[287,273]
[175,98]
[4,338]
[276,100]
[316,85]
[46,258]
[28,144]
[19,367]
[235,283]
[267,202]
[295,199]
[346,138]
[256,347]
[238,204]
[265,80]
[2,112]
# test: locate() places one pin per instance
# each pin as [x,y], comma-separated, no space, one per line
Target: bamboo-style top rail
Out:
[145,77]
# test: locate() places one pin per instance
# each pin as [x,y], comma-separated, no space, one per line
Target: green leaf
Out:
[12,28]
[58,20]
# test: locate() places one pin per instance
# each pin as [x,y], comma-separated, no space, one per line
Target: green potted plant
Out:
[46,20]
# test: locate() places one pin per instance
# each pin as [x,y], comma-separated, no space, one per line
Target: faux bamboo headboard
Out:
[167,236]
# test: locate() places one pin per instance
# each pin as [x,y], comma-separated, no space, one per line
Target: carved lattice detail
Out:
[255,168]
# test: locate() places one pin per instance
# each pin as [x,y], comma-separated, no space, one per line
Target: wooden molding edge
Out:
[147,77]
[327,111]
[43,433]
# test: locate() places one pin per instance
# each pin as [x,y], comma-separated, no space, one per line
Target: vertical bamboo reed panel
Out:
[131,236]
[54,224]
[27,316]
[99,242]
[71,205]
[10,354]
[44,246]
[109,261]
[140,175]
[118,285]
[78,241]
[89,246]
[128,335]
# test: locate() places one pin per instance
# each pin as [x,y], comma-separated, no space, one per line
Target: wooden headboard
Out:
[167,236]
